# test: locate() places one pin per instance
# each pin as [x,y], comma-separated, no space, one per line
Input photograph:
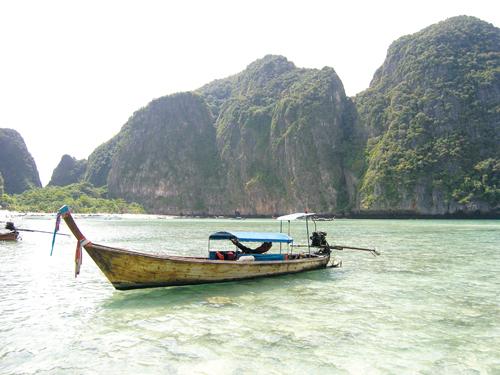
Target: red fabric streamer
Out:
[58,222]
[78,258]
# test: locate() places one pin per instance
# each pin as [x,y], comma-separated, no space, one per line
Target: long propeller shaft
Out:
[343,247]
[41,231]
[10,226]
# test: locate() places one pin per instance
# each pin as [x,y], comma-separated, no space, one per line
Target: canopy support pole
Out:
[281,231]
[289,233]
[307,229]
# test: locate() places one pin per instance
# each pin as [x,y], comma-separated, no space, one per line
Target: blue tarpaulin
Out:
[252,236]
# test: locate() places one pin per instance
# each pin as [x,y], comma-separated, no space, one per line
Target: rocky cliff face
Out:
[99,162]
[287,138]
[17,166]
[68,171]
[433,115]
[271,139]
[423,139]
[166,158]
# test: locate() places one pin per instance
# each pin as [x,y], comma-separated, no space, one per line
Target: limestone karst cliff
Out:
[167,159]
[286,137]
[423,139]
[273,138]
[433,117]
[17,166]
[68,171]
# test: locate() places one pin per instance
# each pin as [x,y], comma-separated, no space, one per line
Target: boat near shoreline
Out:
[126,269]
[9,236]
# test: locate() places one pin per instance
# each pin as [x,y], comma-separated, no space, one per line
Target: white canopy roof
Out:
[295,216]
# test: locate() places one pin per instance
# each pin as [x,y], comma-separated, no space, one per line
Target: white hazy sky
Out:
[73,72]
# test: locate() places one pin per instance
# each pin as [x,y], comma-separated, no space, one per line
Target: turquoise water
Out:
[429,304]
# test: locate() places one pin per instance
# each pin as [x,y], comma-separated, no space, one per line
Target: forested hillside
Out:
[433,117]
[423,139]
[274,138]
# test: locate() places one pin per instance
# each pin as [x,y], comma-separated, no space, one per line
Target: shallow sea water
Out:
[430,304]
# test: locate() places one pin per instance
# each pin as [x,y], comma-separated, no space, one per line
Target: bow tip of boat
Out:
[64,209]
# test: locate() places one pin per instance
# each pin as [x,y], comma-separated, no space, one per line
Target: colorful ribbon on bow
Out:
[78,257]
[56,229]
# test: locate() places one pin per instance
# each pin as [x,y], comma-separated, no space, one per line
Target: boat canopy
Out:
[252,236]
[298,215]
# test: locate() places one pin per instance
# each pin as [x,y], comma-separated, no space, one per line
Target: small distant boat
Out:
[324,218]
[12,232]
[9,236]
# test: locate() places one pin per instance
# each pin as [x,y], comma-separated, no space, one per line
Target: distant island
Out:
[422,141]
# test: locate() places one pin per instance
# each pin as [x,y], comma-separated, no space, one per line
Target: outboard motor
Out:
[318,239]
[10,226]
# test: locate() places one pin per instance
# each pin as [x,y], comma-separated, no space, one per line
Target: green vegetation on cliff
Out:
[433,115]
[99,162]
[483,182]
[166,157]
[275,138]
[287,137]
[82,197]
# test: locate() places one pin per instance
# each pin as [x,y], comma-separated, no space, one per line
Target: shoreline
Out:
[361,215]
[379,215]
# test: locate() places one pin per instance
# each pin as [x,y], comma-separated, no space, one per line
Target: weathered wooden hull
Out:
[11,236]
[130,270]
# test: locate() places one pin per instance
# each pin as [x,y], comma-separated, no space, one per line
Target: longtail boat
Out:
[9,236]
[127,269]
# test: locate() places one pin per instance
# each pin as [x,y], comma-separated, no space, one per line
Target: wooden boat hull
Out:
[11,236]
[130,270]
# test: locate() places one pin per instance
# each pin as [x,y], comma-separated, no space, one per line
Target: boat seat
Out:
[258,257]
[216,255]
[268,257]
